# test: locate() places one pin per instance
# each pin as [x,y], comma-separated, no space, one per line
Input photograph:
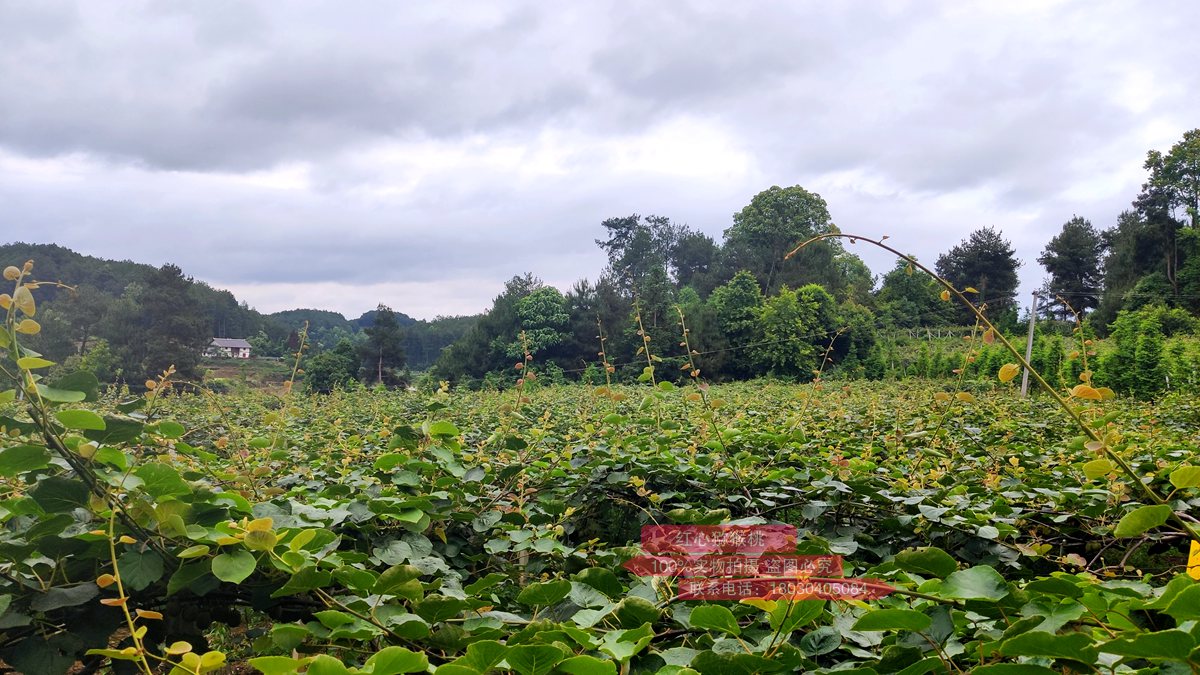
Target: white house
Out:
[235,348]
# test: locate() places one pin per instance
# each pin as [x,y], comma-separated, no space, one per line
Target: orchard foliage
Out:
[458,532]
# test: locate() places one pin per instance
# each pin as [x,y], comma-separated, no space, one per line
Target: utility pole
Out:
[1029,346]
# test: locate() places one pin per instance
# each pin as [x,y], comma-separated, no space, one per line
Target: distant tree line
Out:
[127,322]
[749,312]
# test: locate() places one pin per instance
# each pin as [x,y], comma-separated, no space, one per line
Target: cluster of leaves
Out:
[371,532]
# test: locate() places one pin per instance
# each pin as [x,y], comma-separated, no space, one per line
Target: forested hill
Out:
[129,320]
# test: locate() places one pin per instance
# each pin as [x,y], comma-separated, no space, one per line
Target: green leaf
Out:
[821,641]
[1186,477]
[233,567]
[59,395]
[1073,646]
[480,585]
[305,580]
[634,611]
[893,619]
[288,636]
[395,577]
[33,363]
[587,665]
[64,596]
[22,458]
[395,660]
[80,380]
[80,419]
[1167,644]
[117,430]
[712,663]
[56,494]
[193,552]
[623,645]
[975,583]
[715,617]
[586,596]
[436,608]
[1186,605]
[1098,468]
[1141,519]
[140,569]
[161,480]
[481,657]
[327,665]
[927,562]
[443,428]
[169,429]
[278,665]
[786,617]
[533,659]
[602,580]
[332,618]
[545,593]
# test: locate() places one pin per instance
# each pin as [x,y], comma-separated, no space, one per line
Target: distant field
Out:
[254,373]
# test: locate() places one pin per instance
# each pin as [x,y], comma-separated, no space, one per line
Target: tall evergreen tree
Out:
[382,354]
[639,249]
[1072,258]
[986,262]
[174,329]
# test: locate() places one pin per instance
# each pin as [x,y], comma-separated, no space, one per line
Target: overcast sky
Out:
[342,154]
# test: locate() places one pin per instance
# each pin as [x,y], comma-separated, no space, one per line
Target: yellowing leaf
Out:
[941,397]
[1086,392]
[260,524]
[970,289]
[945,296]
[261,540]
[964,397]
[23,299]
[761,603]
[29,327]
[989,336]
[1009,371]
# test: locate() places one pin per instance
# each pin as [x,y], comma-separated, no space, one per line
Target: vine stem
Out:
[143,664]
[1112,455]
